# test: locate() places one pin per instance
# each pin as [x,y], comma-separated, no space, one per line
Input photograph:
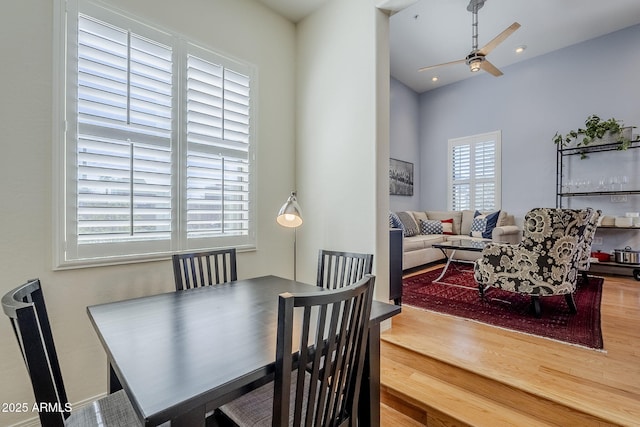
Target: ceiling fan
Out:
[477,59]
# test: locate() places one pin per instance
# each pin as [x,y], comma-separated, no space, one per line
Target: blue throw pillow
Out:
[492,221]
[394,221]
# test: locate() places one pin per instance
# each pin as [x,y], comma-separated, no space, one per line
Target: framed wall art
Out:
[400,178]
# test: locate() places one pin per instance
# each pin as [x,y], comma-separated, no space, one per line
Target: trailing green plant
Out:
[595,128]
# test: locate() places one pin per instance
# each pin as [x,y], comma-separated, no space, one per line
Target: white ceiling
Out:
[430,32]
[293,10]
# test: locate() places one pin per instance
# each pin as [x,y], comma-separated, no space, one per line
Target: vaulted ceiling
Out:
[429,32]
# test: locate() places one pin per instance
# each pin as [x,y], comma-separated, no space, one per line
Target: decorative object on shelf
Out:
[290,216]
[627,256]
[597,131]
[601,256]
[623,221]
[400,178]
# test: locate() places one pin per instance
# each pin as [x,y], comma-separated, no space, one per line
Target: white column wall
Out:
[342,134]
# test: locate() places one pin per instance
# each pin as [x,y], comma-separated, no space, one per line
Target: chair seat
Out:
[256,407]
[115,410]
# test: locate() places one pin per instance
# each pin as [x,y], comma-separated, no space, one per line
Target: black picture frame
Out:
[400,178]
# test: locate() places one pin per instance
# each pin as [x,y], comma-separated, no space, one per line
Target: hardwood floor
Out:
[442,370]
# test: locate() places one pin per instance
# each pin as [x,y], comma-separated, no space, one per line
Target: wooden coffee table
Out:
[454,245]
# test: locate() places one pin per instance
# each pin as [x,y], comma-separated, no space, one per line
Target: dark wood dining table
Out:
[180,355]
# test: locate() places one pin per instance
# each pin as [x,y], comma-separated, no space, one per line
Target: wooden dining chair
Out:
[26,309]
[338,269]
[333,339]
[197,269]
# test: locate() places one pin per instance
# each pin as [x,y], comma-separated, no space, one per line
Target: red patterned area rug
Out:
[507,309]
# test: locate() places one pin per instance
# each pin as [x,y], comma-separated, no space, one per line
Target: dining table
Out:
[182,354]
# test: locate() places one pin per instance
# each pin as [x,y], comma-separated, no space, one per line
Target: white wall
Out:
[343,134]
[533,100]
[267,40]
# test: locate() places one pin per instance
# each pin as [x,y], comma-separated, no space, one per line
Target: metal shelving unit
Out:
[589,149]
[561,195]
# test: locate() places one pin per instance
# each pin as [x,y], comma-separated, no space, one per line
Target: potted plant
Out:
[598,131]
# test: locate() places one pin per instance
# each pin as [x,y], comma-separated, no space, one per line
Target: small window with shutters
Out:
[474,174]
[157,143]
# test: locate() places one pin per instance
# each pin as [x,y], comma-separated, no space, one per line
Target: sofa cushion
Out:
[409,226]
[445,215]
[430,226]
[419,216]
[467,219]
[422,241]
[504,219]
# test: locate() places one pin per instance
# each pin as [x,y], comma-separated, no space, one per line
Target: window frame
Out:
[472,141]
[65,115]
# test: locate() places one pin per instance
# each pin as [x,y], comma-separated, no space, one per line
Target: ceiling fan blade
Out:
[490,68]
[460,61]
[499,39]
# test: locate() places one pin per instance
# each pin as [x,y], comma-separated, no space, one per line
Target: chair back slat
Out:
[338,269]
[27,312]
[329,358]
[208,268]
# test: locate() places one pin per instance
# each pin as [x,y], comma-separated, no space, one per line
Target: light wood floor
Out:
[602,384]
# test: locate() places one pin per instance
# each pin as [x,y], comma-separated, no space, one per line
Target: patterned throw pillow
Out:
[483,224]
[478,226]
[409,226]
[447,226]
[430,226]
[394,221]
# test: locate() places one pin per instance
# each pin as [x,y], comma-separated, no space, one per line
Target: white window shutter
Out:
[218,150]
[157,143]
[474,172]
[460,166]
[124,135]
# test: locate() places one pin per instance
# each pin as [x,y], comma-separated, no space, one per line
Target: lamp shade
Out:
[290,214]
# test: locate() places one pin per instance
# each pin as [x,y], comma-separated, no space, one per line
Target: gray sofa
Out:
[417,249]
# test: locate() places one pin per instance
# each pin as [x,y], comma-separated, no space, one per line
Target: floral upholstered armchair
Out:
[544,263]
[585,253]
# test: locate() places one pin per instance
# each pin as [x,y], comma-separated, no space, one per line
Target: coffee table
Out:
[453,246]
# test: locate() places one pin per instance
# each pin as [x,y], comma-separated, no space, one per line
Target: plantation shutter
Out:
[461,174]
[474,172]
[124,123]
[485,174]
[217,150]
[155,151]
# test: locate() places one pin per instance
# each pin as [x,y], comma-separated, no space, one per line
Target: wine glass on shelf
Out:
[624,182]
[614,183]
[568,186]
[580,184]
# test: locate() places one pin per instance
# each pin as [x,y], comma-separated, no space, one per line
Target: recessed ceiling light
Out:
[521,49]
[434,79]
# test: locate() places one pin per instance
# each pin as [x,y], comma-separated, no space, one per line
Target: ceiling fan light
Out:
[474,66]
